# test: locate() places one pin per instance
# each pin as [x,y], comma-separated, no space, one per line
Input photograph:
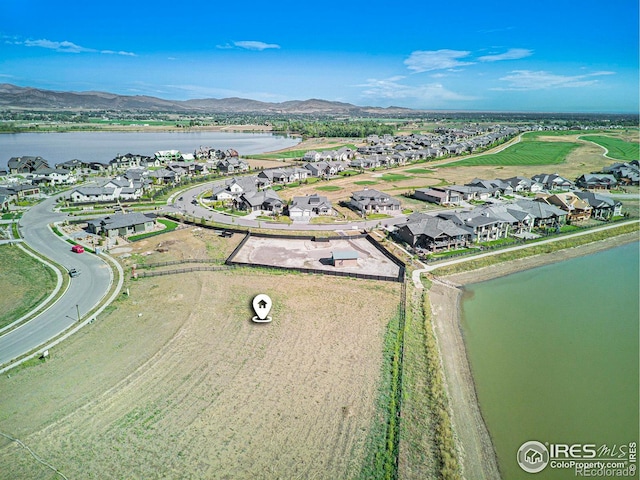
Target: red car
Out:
[77,249]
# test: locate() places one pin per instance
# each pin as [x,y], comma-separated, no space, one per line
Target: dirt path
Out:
[478,456]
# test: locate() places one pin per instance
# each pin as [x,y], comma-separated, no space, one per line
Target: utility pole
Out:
[78,311]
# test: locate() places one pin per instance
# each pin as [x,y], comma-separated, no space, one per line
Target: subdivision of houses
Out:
[370,201]
[309,206]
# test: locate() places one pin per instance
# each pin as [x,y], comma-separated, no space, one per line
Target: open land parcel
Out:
[208,393]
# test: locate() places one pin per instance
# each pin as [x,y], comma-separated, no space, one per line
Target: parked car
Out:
[77,249]
[74,272]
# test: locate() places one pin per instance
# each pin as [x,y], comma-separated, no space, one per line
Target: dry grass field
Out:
[177,382]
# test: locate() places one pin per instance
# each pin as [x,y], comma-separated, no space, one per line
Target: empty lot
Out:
[177,382]
[294,253]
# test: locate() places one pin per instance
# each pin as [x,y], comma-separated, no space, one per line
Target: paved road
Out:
[84,292]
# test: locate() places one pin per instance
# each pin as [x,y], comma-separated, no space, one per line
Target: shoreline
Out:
[477,454]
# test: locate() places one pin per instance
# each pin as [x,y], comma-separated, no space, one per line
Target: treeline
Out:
[354,129]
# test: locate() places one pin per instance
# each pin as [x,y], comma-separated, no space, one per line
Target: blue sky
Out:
[547,56]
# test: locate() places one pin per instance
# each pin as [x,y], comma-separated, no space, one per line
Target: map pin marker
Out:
[262,306]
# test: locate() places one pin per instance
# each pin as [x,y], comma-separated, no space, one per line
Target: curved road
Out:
[84,291]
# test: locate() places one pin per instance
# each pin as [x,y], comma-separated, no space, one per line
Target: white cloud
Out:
[68,47]
[541,80]
[427,60]
[511,54]
[392,89]
[253,45]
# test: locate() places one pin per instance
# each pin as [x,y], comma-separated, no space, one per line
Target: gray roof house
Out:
[603,207]
[122,224]
[553,181]
[266,200]
[544,214]
[309,206]
[435,234]
[597,180]
[372,201]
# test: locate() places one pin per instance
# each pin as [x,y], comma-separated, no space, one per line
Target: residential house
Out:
[167,156]
[495,187]
[92,195]
[263,200]
[232,165]
[597,181]
[523,184]
[484,226]
[26,164]
[122,224]
[576,208]
[545,215]
[603,207]
[311,156]
[234,188]
[369,201]
[52,176]
[129,160]
[627,173]
[302,208]
[553,181]
[164,176]
[435,234]
[438,195]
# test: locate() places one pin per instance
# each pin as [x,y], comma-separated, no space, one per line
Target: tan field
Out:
[176,381]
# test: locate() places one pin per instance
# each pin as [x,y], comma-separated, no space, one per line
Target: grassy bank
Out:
[25,282]
[427,445]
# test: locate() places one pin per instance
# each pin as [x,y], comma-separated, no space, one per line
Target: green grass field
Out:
[419,170]
[529,151]
[618,149]
[25,282]
[329,188]
[394,177]
[365,182]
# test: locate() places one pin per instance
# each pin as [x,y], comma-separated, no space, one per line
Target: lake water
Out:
[104,146]
[554,352]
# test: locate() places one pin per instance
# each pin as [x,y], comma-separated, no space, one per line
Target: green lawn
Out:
[618,149]
[25,282]
[328,188]
[169,224]
[394,177]
[529,151]
[419,170]
[366,182]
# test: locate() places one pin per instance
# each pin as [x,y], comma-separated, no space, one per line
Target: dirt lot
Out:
[309,254]
[177,382]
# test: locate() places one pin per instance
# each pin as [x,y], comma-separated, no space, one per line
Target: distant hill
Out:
[14,97]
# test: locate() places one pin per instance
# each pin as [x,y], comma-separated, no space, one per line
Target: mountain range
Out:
[27,98]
